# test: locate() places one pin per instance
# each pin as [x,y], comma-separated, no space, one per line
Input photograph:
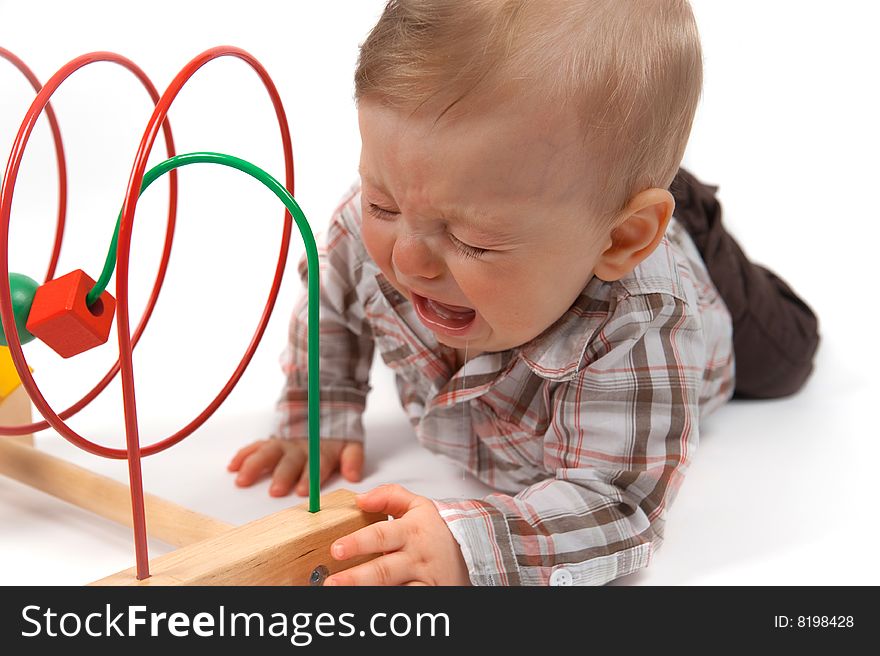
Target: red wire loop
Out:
[133,451]
[59,156]
[12,167]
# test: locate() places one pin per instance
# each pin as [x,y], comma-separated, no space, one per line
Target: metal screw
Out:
[319,574]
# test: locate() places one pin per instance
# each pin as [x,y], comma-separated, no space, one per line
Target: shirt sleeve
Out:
[346,347]
[622,433]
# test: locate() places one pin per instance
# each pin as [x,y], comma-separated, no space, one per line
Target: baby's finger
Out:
[328,466]
[392,569]
[380,537]
[302,486]
[391,499]
[257,463]
[243,453]
[286,472]
[351,461]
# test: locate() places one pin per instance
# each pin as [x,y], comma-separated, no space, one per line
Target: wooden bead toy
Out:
[9,379]
[22,288]
[289,547]
[60,317]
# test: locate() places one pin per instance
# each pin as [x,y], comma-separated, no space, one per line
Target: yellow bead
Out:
[9,379]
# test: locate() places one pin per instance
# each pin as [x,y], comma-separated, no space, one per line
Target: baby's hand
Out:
[288,460]
[417,548]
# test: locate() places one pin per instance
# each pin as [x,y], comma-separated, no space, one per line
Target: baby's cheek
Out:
[507,300]
[378,245]
[540,299]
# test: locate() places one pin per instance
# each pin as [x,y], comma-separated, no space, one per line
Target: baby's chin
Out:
[482,343]
[472,343]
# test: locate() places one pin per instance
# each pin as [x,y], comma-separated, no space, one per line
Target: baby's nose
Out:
[413,257]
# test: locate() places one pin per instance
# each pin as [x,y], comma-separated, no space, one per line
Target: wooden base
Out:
[15,410]
[103,496]
[286,548]
[290,547]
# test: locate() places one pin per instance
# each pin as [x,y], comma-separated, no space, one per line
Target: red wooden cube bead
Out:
[59,315]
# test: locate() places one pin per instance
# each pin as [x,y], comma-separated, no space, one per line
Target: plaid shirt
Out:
[586,431]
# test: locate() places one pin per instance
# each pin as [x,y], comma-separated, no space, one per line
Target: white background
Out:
[779,493]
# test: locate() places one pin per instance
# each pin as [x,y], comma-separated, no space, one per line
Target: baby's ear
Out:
[636,234]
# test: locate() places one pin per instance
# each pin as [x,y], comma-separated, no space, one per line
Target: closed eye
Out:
[379,212]
[466,249]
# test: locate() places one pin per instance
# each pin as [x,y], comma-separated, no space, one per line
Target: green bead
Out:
[23,290]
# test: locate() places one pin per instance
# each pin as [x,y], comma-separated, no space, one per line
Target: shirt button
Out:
[561,577]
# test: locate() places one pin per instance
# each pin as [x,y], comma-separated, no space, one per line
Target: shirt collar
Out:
[558,352]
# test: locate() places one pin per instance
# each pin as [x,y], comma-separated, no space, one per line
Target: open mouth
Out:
[442,316]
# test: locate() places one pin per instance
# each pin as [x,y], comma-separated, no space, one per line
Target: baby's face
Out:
[479,222]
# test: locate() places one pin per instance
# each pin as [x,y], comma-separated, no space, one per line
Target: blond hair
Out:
[631,69]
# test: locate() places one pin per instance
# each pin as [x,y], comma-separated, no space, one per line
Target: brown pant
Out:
[775,333]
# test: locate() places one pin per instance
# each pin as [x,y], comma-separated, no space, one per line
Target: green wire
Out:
[313,286]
